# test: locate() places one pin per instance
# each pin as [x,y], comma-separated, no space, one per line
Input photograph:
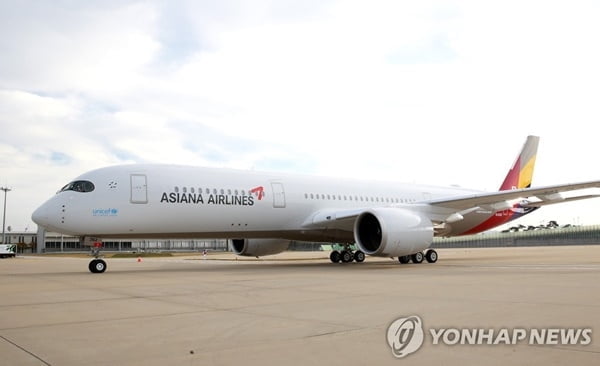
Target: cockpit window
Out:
[79,186]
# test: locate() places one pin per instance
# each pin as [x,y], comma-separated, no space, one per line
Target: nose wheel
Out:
[97,265]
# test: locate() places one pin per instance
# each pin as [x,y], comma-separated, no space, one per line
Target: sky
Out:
[435,92]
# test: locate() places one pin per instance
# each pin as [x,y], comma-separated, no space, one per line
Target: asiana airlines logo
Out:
[254,194]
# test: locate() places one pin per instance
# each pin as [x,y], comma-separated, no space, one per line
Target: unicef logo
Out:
[105,212]
[405,336]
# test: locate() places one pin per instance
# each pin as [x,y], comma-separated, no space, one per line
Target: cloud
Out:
[434,91]
[91,47]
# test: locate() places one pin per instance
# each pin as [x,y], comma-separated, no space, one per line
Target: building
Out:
[27,242]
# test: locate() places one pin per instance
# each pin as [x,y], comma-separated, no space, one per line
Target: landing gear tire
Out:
[404,259]
[346,256]
[431,256]
[335,257]
[359,256]
[417,257]
[97,266]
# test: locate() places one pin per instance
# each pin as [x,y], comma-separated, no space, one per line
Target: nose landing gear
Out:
[97,265]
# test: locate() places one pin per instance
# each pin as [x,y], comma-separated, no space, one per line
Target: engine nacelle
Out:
[392,232]
[259,247]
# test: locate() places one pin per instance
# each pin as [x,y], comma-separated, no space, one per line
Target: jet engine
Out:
[392,232]
[259,247]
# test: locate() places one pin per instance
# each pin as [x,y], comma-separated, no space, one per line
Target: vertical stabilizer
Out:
[521,173]
[519,176]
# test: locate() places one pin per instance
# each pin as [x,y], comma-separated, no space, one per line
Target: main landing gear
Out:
[347,256]
[431,256]
[97,265]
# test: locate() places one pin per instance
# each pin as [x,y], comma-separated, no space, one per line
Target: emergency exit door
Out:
[278,195]
[139,191]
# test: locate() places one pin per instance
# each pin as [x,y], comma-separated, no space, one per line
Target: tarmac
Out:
[296,308]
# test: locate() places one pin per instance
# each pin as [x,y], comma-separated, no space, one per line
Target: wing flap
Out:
[560,200]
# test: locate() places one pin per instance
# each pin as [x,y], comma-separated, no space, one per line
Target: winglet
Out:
[521,173]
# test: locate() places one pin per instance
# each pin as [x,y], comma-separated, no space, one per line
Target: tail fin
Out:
[521,173]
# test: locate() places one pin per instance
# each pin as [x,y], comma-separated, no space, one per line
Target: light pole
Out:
[6,190]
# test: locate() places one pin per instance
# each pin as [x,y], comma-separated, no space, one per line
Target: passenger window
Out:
[176,189]
[184,190]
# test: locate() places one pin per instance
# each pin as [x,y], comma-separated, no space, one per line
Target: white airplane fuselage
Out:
[168,201]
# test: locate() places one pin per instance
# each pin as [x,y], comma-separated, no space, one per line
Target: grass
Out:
[143,255]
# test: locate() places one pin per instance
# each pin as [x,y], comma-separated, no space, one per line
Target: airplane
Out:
[262,212]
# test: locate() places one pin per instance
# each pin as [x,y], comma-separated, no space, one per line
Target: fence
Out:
[574,235]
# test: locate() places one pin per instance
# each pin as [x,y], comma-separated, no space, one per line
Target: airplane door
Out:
[278,195]
[139,192]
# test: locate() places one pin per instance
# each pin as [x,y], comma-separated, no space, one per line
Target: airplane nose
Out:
[40,215]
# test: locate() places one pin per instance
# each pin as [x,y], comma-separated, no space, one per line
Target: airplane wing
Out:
[545,195]
[451,208]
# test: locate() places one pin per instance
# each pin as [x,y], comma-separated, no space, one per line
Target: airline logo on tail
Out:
[521,173]
[519,176]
